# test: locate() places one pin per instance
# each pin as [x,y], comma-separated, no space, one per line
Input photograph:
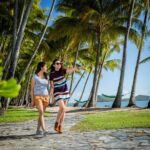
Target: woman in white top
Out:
[40,95]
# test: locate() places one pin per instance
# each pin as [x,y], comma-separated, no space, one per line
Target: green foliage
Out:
[78,25]
[8,88]
[145,60]
[114,120]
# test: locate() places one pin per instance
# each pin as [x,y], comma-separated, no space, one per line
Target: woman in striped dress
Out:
[59,90]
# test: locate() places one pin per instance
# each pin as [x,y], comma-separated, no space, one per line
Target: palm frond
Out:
[145,60]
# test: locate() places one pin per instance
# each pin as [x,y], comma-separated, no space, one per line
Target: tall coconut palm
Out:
[89,13]
[38,44]
[106,62]
[19,38]
[143,34]
[117,101]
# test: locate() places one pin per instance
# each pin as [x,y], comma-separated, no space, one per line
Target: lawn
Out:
[114,120]
[20,114]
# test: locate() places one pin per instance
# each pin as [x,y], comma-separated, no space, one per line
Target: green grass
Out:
[19,115]
[114,120]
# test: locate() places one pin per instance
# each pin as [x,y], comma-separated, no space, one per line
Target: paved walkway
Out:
[21,136]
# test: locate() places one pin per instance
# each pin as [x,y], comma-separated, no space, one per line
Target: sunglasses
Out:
[58,63]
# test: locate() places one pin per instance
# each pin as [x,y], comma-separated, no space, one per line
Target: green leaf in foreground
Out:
[9,88]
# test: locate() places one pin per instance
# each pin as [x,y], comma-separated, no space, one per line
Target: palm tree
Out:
[108,63]
[99,20]
[19,38]
[132,96]
[38,44]
[117,101]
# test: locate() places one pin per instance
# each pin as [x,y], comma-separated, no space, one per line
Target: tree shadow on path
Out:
[27,136]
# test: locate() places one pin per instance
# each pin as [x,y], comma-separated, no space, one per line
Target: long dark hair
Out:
[53,68]
[40,65]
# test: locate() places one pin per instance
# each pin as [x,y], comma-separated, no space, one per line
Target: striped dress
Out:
[60,86]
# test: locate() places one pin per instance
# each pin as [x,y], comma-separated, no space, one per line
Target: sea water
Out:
[139,103]
[142,103]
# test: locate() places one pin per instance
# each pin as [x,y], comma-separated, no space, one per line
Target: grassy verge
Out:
[114,120]
[20,114]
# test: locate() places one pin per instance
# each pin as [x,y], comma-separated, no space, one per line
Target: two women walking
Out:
[40,93]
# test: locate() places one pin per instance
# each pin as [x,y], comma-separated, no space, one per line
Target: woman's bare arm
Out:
[32,92]
[52,90]
[71,70]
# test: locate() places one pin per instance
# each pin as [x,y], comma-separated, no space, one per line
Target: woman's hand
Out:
[70,70]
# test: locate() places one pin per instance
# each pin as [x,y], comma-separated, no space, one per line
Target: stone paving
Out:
[21,136]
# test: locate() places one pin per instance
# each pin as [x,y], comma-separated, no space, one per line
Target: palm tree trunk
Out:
[27,89]
[117,101]
[15,25]
[87,103]
[38,44]
[92,101]
[22,14]
[74,65]
[7,100]
[77,84]
[11,52]
[100,73]
[3,42]
[98,80]
[77,103]
[132,96]
[148,106]
[19,38]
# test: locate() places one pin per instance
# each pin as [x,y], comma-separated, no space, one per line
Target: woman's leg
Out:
[63,114]
[39,125]
[61,110]
[41,122]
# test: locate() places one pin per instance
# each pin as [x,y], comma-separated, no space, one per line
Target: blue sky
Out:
[110,80]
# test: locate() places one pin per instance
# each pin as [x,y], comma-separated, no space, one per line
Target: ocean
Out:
[139,103]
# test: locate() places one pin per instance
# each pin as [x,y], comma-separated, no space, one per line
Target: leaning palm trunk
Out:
[3,42]
[11,53]
[76,104]
[6,101]
[22,14]
[11,50]
[19,38]
[132,96]
[15,26]
[117,101]
[74,65]
[98,80]
[92,100]
[28,89]
[87,103]
[38,44]
[77,84]
[100,72]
